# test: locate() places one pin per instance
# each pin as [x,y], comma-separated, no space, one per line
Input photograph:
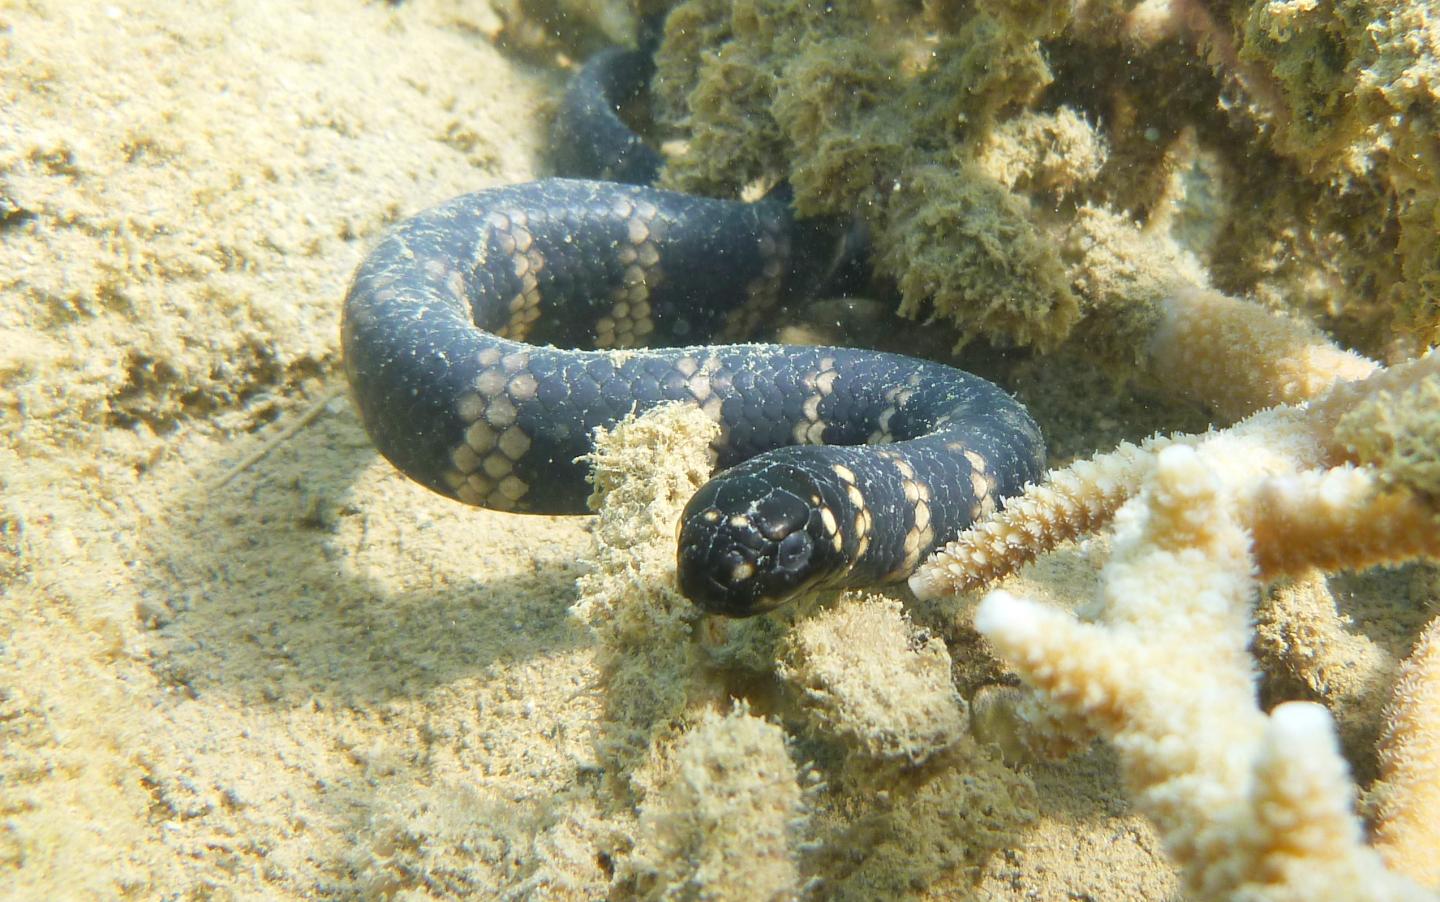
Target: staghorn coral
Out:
[1197,518]
[1286,473]
[1251,806]
[1067,503]
[1406,831]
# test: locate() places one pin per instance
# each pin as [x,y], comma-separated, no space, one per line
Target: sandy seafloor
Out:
[315,679]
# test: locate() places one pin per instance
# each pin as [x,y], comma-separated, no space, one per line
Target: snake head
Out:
[751,539]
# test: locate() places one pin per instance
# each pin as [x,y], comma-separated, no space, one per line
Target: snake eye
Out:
[779,514]
[794,552]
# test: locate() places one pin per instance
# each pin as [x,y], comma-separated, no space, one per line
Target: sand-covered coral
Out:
[646,627]
[1308,648]
[902,795]
[864,119]
[1398,432]
[1355,92]
[966,243]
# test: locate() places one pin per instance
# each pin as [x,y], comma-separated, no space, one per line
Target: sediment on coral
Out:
[1398,433]
[728,820]
[643,471]
[871,679]
[860,121]
[1308,649]
[967,243]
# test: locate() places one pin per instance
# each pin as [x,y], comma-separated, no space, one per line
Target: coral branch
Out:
[1340,519]
[1396,428]
[1407,831]
[1347,409]
[1279,470]
[1307,842]
[1238,357]
[1070,502]
[1249,806]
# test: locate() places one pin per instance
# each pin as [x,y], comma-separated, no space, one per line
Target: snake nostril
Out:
[736,566]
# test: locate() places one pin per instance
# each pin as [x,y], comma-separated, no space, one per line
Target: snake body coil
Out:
[846,467]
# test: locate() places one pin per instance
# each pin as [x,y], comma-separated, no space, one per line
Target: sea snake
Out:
[844,467]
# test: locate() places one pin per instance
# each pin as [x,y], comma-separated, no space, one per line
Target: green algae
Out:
[1302,133]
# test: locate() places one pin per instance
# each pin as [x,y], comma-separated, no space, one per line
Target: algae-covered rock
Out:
[1297,136]
[728,821]
[871,679]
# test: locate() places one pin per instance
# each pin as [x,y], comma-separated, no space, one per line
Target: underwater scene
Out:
[767,449]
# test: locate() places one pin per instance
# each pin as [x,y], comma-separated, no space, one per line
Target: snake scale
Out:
[843,467]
